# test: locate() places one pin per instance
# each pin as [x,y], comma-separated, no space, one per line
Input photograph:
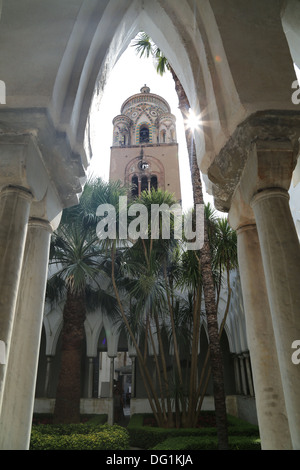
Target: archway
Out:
[101,367]
[123,377]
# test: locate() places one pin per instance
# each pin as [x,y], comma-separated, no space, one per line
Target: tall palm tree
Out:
[77,257]
[144,44]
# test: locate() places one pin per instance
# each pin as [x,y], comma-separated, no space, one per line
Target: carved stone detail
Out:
[270,126]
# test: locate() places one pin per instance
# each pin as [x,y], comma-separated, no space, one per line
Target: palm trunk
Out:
[214,345]
[206,370]
[67,404]
[208,284]
[192,404]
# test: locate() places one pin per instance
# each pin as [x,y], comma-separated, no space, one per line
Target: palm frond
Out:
[143,45]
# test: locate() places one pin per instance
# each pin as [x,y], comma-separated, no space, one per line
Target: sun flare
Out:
[193,121]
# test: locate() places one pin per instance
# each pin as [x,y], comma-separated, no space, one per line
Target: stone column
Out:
[281,259]
[110,418]
[133,363]
[48,372]
[248,372]
[243,373]
[237,374]
[16,417]
[265,184]
[270,404]
[23,179]
[14,213]
[90,377]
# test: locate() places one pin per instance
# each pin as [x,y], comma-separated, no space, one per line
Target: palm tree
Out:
[152,273]
[145,265]
[144,44]
[77,257]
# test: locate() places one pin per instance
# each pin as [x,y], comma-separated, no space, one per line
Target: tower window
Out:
[144,134]
[135,186]
[153,182]
[144,185]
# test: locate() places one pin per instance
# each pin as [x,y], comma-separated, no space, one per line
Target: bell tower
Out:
[144,152]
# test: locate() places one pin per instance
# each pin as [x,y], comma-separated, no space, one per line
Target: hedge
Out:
[208,443]
[79,437]
[242,436]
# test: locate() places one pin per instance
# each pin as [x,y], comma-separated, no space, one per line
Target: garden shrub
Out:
[207,443]
[242,436]
[237,426]
[79,437]
[47,418]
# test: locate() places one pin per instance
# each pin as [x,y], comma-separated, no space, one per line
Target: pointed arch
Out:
[84,70]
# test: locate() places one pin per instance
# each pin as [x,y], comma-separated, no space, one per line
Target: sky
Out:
[127,78]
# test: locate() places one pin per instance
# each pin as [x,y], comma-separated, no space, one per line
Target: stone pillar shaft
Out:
[110,418]
[48,373]
[237,375]
[249,376]
[14,213]
[243,373]
[90,377]
[270,405]
[281,260]
[133,362]
[19,392]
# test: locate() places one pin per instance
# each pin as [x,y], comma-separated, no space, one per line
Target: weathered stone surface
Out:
[227,168]
[63,167]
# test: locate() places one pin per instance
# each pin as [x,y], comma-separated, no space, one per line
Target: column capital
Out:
[65,164]
[22,165]
[270,166]
[264,130]
[276,161]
